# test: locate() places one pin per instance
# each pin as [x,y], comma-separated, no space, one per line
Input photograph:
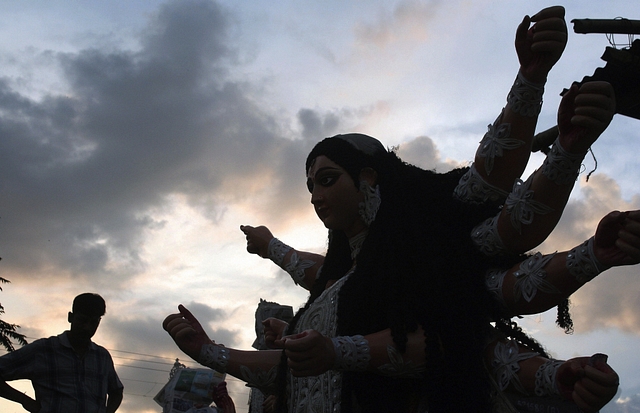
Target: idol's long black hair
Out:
[417,267]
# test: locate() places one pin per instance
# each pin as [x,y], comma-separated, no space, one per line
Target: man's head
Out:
[90,304]
[87,311]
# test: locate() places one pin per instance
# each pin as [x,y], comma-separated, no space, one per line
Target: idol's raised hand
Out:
[617,239]
[187,332]
[257,239]
[540,46]
[584,113]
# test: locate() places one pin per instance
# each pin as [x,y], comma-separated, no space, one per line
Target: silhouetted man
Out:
[69,373]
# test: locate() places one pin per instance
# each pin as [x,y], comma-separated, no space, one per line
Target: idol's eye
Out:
[328,179]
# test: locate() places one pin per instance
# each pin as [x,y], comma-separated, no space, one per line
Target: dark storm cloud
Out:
[136,333]
[317,126]
[82,172]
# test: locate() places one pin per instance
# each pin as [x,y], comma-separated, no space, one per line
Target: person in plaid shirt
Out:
[69,373]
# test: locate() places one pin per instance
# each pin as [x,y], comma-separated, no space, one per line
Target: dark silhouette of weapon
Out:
[612,26]
[622,70]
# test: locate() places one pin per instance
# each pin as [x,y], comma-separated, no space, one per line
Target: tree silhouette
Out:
[8,331]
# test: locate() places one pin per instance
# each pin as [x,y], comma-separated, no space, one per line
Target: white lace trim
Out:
[320,393]
[398,367]
[522,207]
[561,166]
[495,142]
[546,378]
[473,188]
[494,280]
[296,267]
[352,353]
[582,262]
[487,239]
[277,250]
[531,277]
[505,364]
[525,98]
[214,356]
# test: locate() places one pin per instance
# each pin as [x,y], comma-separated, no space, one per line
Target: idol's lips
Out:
[322,212]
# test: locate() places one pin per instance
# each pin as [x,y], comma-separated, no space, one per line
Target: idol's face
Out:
[335,196]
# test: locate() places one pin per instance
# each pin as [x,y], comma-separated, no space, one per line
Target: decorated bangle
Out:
[277,250]
[525,97]
[214,356]
[560,166]
[546,378]
[582,262]
[352,353]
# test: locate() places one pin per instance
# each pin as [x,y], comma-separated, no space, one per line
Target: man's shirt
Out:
[63,381]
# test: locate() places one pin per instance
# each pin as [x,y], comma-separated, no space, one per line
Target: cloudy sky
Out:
[136,137]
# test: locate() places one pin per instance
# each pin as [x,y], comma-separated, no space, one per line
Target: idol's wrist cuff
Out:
[525,97]
[352,353]
[277,250]
[214,356]
[583,263]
